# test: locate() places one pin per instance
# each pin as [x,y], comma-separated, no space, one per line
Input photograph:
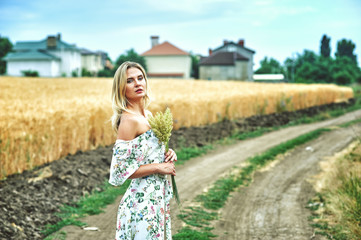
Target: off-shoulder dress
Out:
[144,211]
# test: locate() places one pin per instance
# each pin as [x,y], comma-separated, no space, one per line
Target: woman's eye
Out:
[140,78]
[129,80]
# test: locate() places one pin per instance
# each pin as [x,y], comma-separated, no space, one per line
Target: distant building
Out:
[52,57]
[269,78]
[92,61]
[232,61]
[166,60]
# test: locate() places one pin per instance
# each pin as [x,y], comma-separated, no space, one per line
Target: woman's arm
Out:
[149,169]
[128,129]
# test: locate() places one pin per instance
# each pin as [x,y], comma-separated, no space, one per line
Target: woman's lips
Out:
[139,91]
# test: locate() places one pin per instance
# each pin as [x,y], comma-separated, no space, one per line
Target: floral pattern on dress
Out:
[144,211]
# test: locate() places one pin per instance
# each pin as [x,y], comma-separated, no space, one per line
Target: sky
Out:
[272,28]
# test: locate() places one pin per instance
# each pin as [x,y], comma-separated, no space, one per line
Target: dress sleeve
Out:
[125,162]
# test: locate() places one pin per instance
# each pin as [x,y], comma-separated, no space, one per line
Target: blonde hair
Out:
[119,100]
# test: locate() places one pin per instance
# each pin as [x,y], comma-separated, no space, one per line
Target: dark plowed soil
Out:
[29,200]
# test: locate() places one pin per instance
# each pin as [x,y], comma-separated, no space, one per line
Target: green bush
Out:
[86,73]
[30,73]
[74,73]
[106,73]
[342,78]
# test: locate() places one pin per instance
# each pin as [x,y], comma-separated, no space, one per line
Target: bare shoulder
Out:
[148,114]
[129,127]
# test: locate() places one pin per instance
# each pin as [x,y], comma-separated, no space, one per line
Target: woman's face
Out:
[136,85]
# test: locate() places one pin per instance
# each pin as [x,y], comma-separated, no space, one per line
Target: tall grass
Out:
[43,119]
[338,214]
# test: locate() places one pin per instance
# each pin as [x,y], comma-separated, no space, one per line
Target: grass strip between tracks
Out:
[96,201]
[216,197]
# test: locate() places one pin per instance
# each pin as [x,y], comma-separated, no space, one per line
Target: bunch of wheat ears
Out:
[162,125]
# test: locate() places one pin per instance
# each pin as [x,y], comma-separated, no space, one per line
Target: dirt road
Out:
[273,206]
[197,174]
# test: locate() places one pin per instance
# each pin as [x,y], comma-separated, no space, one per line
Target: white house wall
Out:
[248,55]
[43,67]
[217,72]
[92,63]
[241,70]
[55,68]
[243,52]
[169,64]
[70,61]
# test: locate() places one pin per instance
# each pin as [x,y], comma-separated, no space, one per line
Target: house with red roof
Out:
[232,61]
[166,60]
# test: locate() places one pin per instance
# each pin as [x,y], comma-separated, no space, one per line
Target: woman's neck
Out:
[137,108]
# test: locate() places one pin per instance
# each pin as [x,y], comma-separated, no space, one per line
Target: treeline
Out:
[309,67]
[5,47]
[129,55]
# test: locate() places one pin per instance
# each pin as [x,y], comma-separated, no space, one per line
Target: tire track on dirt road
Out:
[197,174]
[273,205]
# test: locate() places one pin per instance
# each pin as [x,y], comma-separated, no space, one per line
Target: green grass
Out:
[187,233]
[59,235]
[345,125]
[197,216]
[88,205]
[322,227]
[186,153]
[258,132]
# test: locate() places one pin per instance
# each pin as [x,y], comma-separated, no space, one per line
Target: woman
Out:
[137,154]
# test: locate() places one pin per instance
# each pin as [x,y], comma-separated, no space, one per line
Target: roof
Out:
[38,50]
[223,58]
[27,45]
[30,55]
[165,48]
[235,44]
[84,51]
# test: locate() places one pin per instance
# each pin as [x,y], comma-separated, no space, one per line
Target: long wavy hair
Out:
[119,100]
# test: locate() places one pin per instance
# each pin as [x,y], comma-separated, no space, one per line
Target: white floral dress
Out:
[144,211]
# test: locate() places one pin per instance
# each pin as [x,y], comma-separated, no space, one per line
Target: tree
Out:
[108,70]
[5,47]
[306,73]
[346,48]
[195,66]
[132,56]
[325,49]
[344,71]
[323,73]
[309,67]
[289,69]
[270,66]
[307,56]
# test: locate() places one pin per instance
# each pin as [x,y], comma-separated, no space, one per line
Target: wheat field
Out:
[43,119]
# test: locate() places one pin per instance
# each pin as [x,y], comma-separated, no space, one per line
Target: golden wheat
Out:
[43,119]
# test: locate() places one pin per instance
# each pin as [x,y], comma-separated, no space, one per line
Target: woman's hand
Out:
[166,168]
[170,156]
